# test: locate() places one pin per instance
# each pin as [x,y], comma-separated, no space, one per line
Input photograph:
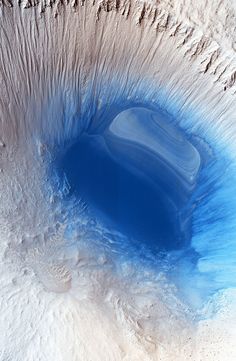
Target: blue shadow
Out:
[123,198]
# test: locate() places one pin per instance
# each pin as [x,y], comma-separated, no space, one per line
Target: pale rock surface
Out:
[59,303]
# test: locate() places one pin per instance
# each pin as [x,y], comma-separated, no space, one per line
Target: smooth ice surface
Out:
[138,175]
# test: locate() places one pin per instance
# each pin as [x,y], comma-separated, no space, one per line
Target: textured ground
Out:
[67,297]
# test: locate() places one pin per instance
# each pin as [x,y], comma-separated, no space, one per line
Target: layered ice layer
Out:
[147,140]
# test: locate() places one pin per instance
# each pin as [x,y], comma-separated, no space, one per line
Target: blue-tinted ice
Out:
[137,175]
